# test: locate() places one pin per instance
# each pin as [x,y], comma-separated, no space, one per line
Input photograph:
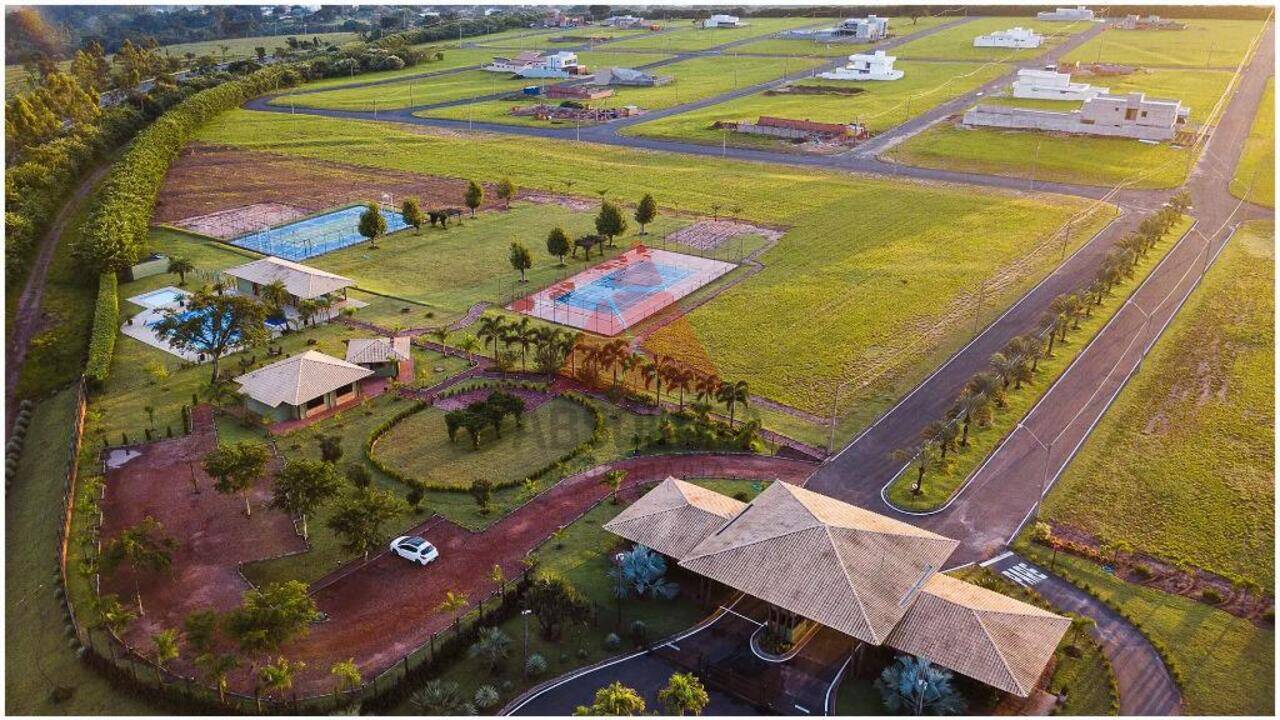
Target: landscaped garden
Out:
[1204,43]
[1188,444]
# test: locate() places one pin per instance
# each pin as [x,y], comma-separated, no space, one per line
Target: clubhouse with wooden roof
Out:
[862,574]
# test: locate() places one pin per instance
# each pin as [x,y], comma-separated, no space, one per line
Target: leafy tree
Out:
[181,266]
[521,259]
[304,485]
[372,224]
[359,517]
[684,695]
[200,629]
[164,647]
[358,475]
[609,222]
[115,615]
[142,549]
[646,211]
[440,697]
[613,480]
[412,213]
[614,700]
[558,243]
[554,603]
[330,448]
[212,325]
[482,491]
[346,676]
[911,685]
[505,191]
[492,648]
[474,197]
[237,468]
[270,616]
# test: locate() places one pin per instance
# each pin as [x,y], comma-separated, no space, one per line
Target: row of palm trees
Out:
[1018,362]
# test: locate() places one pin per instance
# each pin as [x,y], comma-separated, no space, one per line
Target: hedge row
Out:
[106,323]
[599,434]
[115,232]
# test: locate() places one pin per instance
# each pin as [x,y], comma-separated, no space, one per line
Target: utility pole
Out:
[977,310]
[1066,239]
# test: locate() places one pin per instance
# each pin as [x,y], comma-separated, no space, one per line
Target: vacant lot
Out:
[898,27]
[452,58]
[686,35]
[1188,445]
[957,43]
[1041,156]
[1198,89]
[419,448]
[1255,178]
[880,105]
[1205,43]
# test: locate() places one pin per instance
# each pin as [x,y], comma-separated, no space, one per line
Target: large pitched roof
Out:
[991,637]
[378,350]
[842,566]
[300,378]
[674,517]
[300,280]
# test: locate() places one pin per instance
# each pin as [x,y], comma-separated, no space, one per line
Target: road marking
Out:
[1024,574]
[804,710]
[996,559]
[1014,578]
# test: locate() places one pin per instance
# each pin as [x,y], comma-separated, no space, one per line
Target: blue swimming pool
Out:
[163,297]
[315,235]
[624,287]
[213,325]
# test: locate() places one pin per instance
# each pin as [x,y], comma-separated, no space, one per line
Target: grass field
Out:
[940,483]
[1197,89]
[696,79]
[898,27]
[1227,663]
[36,649]
[1188,445]
[1255,178]
[1205,43]
[1045,157]
[453,58]
[880,106]
[419,447]
[853,288]
[684,35]
[957,43]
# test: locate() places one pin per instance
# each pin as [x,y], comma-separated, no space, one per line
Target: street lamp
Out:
[525,614]
[1044,478]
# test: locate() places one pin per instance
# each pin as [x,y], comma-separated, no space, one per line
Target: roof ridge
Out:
[745,545]
[986,633]
[862,608]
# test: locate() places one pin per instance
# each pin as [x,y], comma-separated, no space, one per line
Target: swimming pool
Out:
[164,297]
[316,235]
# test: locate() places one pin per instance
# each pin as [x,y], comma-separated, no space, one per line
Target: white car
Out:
[414,548]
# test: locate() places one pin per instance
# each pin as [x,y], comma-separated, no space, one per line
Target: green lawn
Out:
[880,106]
[453,58]
[685,35]
[1255,179]
[36,650]
[898,27]
[957,43]
[1205,43]
[1189,444]
[835,300]
[455,86]
[1046,157]
[695,79]
[418,447]
[1227,663]
[1197,89]
[941,483]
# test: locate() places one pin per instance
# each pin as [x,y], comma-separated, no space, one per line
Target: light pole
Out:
[525,615]
[1044,478]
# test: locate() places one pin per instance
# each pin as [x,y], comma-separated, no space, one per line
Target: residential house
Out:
[629,77]
[624,21]
[1050,85]
[381,355]
[1016,37]
[564,91]
[722,21]
[873,66]
[556,65]
[1150,22]
[300,281]
[867,29]
[301,386]
[513,64]
[1076,14]
[1131,115]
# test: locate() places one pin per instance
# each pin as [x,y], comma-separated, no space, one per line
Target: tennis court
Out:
[316,235]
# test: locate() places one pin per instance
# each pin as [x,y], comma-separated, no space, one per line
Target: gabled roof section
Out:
[300,378]
[378,350]
[302,281]
[674,517]
[994,638]
[844,567]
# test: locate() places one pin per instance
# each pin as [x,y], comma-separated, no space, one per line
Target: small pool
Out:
[164,297]
[213,325]
[316,235]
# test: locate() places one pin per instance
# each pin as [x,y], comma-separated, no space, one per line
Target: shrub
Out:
[106,323]
[1143,571]
[639,632]
[1211,596]
[741,496]
[612,641]
[486,697]
[535,666]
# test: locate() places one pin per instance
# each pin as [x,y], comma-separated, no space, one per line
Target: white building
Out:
[514,64]
[556,65]
[719,21]
[874,66]
[1050,85]
[1131,116]
[1017,37]
[623,21]
[867,29]
[1075,14]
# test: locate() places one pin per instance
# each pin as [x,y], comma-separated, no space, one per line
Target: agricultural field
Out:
[898,27]
[823,270]
[1205,44]
[696,79]
[684,35]
[1188,444]
[1255,179]
[956,43]
[445,88]
[1046,157]
[880,105]
[1226,662]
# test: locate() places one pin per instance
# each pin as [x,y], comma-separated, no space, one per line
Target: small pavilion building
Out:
[301,281]
[301,386]
[383,356]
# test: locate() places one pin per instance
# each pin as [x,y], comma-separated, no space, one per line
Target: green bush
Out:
[106,323]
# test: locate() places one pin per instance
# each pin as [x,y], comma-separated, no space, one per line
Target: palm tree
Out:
[453,603]
[492,329]
[141,549]
[707,386]
[629,361]
[970,406]
[924,457]
[571,342]
[277,676]
[275,295]
[469,344]
[731,394]
[165,647]
[941,433]
[216,667]
[613,354]
[523,334]
[1029,347]
[440,334]
[681,379]
[1004,366]
[1061,308]
[307,310]
[181,266]
[989,385]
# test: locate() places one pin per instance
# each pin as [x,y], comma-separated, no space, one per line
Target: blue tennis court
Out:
[317,235]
